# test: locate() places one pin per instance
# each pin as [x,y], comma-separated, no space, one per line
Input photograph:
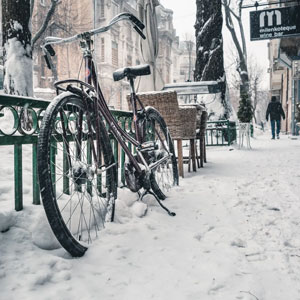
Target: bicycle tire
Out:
[165,176]
[77,198]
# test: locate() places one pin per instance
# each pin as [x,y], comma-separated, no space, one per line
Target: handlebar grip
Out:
[139,32]
[50,50]
[47,61]
[137,22]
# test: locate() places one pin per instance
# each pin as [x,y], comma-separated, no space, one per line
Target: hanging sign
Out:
[274,23]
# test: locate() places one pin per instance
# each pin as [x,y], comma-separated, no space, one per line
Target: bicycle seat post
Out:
[131,82]
[132,94]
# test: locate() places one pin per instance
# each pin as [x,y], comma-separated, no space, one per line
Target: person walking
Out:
[275,112]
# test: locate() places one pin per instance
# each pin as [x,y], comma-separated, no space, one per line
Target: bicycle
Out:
[76,166]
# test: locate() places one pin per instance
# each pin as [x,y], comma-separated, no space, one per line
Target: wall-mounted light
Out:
[296,69]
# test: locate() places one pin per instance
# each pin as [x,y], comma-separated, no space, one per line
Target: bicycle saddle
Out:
[131,72]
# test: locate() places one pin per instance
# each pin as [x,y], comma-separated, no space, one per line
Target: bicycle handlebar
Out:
[50,40]
[138,26]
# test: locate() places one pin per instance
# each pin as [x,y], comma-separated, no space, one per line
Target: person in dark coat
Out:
[275,112]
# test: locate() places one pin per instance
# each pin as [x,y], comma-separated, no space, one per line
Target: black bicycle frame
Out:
[101,105]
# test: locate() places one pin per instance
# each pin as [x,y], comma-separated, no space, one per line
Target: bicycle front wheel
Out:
[165,175]
[76,172]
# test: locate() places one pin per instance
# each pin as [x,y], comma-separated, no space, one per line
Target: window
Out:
[128,33]
[168,75]
[115,9]
[102,9]
[129,60]
[132,3]
[168,51]
[137,62]
[114,53]
[102,51]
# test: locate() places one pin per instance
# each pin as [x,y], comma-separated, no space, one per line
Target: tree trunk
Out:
[209,46]
[17,47]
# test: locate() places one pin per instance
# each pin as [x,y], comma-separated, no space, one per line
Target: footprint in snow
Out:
[198,236]
[215,289]
[256,257]
[238,243]
[151,227]
[294,243]
[273,208]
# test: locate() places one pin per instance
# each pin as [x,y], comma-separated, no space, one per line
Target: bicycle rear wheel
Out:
[77,174]
[165,176]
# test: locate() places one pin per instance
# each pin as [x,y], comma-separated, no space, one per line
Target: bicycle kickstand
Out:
[148,192]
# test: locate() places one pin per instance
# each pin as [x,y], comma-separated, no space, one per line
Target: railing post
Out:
[116,156]
[35,182]
[122,164]
[66,167]
[228,133]
[18,177]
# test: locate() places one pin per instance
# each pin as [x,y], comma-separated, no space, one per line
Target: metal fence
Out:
[14,132]
[220,133]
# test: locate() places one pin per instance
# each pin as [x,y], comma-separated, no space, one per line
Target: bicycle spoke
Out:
[74,192]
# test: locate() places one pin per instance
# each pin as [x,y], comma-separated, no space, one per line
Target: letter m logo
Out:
[270,16]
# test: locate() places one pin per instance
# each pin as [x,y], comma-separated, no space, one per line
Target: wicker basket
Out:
[181,121]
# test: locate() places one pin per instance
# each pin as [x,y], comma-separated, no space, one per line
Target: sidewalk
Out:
[236,236]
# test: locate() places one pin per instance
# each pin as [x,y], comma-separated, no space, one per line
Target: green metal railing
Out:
[14,132]
[220,133]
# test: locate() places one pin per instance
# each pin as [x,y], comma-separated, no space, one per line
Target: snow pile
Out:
[235,236]
[7,219]
[42,235]
[127,206]
[139,209]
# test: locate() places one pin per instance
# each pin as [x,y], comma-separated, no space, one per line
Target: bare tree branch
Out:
[229,25]
[241,49]
[44,26]
[31,7]
[242,30]
[234,14]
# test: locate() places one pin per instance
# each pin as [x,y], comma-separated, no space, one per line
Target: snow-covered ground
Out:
[236,236]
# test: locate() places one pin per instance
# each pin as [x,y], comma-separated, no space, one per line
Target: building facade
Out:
[284,69]
[116,48]
[186,61]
